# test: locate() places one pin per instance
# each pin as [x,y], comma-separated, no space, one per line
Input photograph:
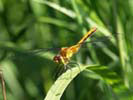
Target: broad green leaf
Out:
[57,89]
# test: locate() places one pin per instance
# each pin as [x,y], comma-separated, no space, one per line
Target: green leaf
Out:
[57,89]
[103,73]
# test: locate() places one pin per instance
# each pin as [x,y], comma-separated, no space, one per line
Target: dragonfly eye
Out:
[57,59]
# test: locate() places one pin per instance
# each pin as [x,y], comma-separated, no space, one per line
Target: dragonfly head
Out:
[57,59]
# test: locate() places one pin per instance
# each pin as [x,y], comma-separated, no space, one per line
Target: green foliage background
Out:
[33,24]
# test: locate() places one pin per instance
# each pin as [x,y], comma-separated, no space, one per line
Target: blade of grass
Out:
[57,7]
[78,15]
[3,84]
[57,89]
[122,52]
[120,42]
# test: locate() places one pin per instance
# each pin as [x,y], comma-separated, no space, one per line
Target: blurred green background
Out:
[33,24]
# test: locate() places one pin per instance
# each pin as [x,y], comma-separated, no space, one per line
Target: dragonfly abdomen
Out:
[87,35]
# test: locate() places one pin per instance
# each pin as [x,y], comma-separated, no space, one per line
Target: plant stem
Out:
[3,85]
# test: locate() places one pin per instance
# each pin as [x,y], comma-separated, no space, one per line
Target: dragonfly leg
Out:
[60,70]
[75,64]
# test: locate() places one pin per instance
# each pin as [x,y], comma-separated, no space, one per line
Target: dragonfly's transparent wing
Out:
[99,39]
[43,50]
[96,42]
[30,54]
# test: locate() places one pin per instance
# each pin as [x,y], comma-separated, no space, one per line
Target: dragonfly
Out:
[65,54]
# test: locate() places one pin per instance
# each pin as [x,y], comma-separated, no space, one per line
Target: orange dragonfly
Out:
[66,53]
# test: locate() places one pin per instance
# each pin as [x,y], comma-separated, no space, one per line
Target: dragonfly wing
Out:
[43,50]
[31,54]
[99,39]
[97,42]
